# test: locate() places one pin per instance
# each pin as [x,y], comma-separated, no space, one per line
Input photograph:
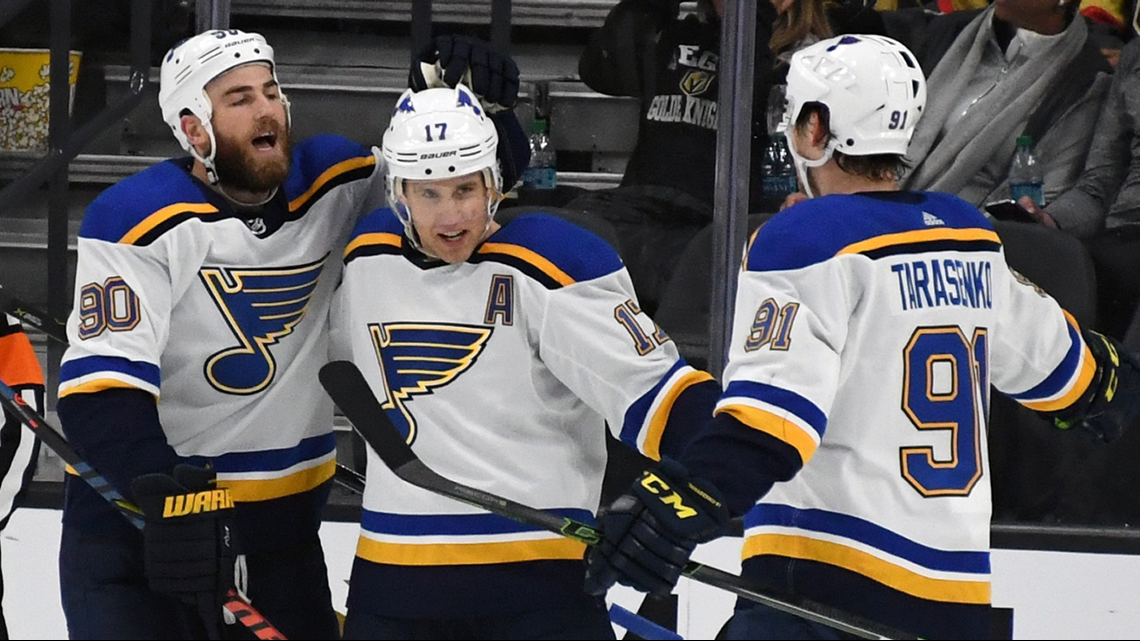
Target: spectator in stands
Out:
[1017,67]
[799,23]
[670,63]
[1104,206]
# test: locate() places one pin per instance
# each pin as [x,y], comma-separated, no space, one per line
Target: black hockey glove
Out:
[649,533]
[186,541]
[449,60]
[1113,400]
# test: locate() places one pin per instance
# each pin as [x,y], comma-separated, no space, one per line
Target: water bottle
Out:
[778,169]
[1025,175]
[541,173]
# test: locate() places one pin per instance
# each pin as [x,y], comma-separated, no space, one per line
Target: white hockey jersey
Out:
[867,332]
[178,296]
[502,372]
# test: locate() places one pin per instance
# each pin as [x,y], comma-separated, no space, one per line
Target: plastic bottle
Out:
[778,169]
[1025,175]
[541,173]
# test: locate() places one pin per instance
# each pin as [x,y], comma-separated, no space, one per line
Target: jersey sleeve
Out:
[783,367]
[119,322]
[1038,355]
[599,343]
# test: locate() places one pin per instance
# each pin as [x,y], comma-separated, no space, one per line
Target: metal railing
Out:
[64,144]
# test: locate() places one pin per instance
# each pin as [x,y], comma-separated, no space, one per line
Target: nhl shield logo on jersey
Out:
[416,358]
[261,306]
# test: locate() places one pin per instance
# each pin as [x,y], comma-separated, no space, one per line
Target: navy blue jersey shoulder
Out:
[579,253]
[380,221]
[315,155]
[815,230]
[128,202]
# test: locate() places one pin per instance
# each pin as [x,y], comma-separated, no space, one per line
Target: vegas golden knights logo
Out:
[696,82]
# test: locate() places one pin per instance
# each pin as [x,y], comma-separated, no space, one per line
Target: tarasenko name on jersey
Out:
[941,282]
[907,250]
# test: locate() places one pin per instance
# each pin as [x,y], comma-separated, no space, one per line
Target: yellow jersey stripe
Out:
[97,385]
[899,578]
[469,553]
[341,167]
[919,236]
[652,447]
[531,257]
[374,238]
[769,423]
[1084,378]
[161,216]
[266,489]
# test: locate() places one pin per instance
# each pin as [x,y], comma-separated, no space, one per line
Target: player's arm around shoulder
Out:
[593,335]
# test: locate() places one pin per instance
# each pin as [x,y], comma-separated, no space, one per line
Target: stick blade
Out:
[354,396]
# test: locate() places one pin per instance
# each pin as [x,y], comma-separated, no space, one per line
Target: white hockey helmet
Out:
[437,134]
[873,88]
[191,64]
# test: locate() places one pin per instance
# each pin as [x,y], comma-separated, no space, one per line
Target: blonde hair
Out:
[803,18]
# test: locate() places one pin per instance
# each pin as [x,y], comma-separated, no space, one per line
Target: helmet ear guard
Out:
[192,64]
[436,134]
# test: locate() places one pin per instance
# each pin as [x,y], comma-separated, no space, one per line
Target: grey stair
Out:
[561,13]
[97,171]
[351,87]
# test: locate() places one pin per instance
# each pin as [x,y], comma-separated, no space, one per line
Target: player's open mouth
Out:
[454,236]
[265,141]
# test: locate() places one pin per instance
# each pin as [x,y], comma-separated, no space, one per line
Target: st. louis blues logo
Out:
[417,357]
[261,307]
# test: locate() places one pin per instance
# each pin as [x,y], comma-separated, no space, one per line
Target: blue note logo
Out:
[261,306]
[416,358]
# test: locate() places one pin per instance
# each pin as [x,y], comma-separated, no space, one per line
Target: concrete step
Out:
[557,13]
[350,88]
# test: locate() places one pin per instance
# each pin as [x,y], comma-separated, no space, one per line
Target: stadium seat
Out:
[1056,262]
[596,224]
[684,309]
[1040,473]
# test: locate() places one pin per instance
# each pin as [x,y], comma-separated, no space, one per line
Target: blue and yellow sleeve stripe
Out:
[1068,382]
[646,418]
[781,413]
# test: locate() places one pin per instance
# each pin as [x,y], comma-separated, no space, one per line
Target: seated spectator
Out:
[646,50]
[1024,67]
[1104,206]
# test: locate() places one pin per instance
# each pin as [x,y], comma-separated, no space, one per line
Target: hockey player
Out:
[200,321]
[870,324]
[502,353]
[20,370]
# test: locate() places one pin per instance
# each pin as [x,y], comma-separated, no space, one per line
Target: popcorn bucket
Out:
[24,87]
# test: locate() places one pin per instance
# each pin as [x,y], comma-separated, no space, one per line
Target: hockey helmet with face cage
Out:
[873,88]
[191,64]
[436,134]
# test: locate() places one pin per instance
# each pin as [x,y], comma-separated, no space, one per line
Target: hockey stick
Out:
[234,603]
[353,395]
[642,627]
[349,478]
[35,318]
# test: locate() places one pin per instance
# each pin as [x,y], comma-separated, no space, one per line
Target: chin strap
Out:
[802,163]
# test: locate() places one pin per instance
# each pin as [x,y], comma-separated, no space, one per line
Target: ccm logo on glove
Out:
[654,484]
[197,502]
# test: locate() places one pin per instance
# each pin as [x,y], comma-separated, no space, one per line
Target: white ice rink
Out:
[1055,595]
